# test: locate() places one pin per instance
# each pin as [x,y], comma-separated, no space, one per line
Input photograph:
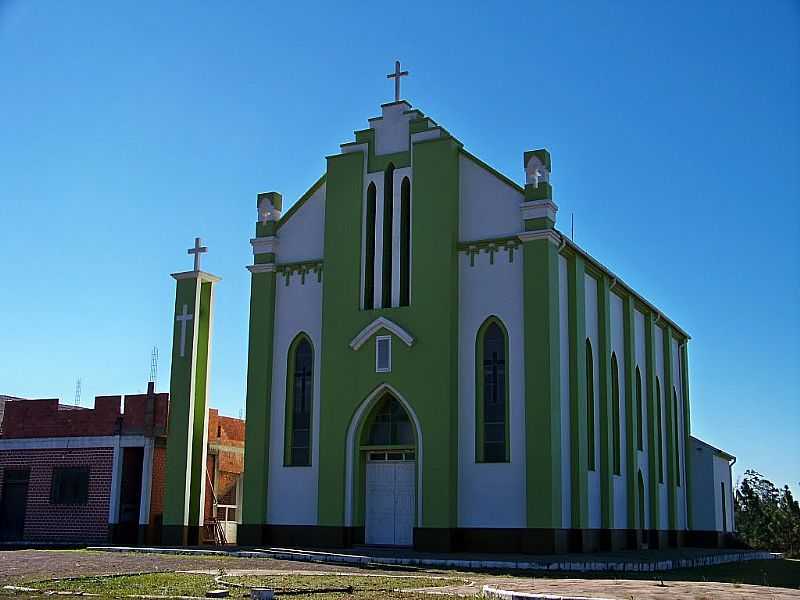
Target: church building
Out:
[433,364]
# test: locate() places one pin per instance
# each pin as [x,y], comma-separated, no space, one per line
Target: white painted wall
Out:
[590,293]
[489,206]
[641,362]
[722,474]
[302,236]
[491,494]
[292,491]
[617,339]
[566,449]
[391,129]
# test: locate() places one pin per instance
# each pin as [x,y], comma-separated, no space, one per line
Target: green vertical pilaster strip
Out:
[687,432]
[606,415]
[542,384]
[341,292]
[653,451]
[186,450]
[577,391]
[671,441]
[630,414]
[200,419]
[259,388]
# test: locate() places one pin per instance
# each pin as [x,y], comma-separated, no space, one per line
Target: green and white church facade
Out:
[432,363]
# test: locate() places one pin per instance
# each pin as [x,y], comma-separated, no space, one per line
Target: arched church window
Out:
[675,429]
[299,396]
[388,210]
[590,405]
[491,425]
[640,486]
[405,242]
[615,414]
[659,434]
[369,249]
[389,425]
[639,412]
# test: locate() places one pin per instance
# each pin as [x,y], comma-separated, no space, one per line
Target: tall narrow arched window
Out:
[388,214]
[405,242]
[590,405]
[675,430]
[299,402]
[615,415]
[369,249]
[491,402]
[639,412]
[640,485]
[659,434]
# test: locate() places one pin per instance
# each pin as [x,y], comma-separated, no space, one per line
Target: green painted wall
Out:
[687,447]
[631,416]
[200,410]
[425,374]
[542,384]
[259,387]
[577,390]
[188,399]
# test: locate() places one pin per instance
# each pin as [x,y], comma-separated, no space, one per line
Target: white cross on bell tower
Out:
[396,76]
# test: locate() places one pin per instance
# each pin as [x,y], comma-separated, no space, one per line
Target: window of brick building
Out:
[70,485]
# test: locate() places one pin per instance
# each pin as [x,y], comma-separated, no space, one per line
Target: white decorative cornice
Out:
[201,275]
[537,209]
[551,235]
[263,268]
[428,134]
[264,245]
[377,325]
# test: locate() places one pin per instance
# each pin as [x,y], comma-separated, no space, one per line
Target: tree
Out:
[767,517]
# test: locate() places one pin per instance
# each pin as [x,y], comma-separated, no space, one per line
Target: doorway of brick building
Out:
[13,504]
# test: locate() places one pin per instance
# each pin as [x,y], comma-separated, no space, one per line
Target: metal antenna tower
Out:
[154,366]
[78,392]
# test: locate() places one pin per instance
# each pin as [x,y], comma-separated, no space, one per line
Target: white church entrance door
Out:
[388,444]
[391,490]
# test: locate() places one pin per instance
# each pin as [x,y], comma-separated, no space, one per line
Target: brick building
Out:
[72,474]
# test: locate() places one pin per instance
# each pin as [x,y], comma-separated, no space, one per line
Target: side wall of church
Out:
[640,354]
[592,333]
[663,502]
[298,309]
[566,447]
[617,339]
[491,494]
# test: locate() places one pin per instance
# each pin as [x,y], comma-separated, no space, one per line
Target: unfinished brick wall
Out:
[56,522]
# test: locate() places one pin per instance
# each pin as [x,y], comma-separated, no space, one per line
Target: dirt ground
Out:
[22,566]
[25,566]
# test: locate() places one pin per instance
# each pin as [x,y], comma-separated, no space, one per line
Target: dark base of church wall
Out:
[486,540]
[130,534]
[303,536]
[180,535]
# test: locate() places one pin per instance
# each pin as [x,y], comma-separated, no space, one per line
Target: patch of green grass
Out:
[187,584]
[783,573]
[160,584]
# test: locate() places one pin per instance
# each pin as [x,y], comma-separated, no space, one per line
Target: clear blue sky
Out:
[127,128]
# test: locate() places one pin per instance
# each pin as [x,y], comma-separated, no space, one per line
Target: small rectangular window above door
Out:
[383,354]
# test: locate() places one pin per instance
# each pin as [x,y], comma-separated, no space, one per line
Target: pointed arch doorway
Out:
[384,470]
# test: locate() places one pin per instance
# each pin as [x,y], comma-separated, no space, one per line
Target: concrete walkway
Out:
[619,562]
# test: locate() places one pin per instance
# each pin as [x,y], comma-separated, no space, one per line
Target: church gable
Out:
[489,202]
[301,229]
